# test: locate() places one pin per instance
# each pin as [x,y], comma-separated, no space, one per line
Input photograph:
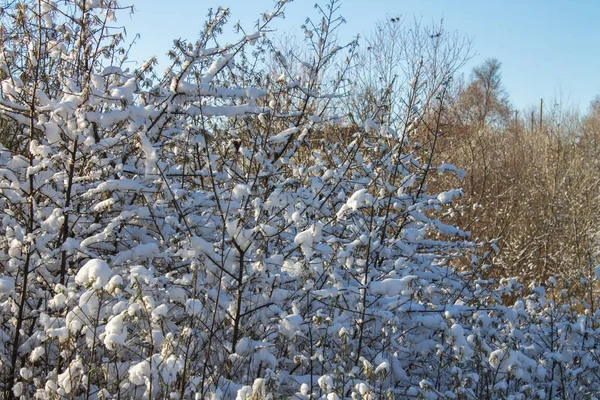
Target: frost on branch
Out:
[222,233]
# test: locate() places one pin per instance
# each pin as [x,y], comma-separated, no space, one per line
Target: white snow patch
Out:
[7,285]
[116,331]
[95,272]
[449,196]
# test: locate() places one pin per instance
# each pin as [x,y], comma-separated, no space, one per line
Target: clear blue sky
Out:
[548,48]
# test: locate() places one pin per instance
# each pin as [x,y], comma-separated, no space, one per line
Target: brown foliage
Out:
[533,188]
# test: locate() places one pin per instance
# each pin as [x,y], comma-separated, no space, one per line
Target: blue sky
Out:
[548,48]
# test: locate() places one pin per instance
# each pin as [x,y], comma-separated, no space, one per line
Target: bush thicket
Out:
[199,234]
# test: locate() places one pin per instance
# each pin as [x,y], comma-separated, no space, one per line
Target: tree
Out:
[484,101]
[401,68]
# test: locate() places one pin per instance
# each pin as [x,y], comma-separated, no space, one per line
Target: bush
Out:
[185,237]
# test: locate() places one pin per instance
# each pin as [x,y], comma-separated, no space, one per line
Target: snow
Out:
[216,66]
[371,125]
[326,383]
[193,307]
[7,285]
[104,205]
[384,367]
[160,311]
[70,244]
[392,286]
[150,154]
[120,184]
[115,332]
[37,353]
[360,198]
[95,273]
[68,380]
[449,196]
[283,136]
[139,372]
[144,251]
[126,91]
[291,325]
[52,132]
[253,37]
[461,347]
[177,294]
[307,238]
[58,301]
